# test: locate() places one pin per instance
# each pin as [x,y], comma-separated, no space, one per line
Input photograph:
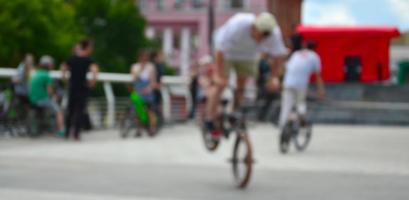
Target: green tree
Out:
[117,28]
[36,26]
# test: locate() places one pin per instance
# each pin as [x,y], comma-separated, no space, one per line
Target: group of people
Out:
[239,43]
[34,86]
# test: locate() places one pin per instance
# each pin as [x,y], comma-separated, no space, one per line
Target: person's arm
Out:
[50,88]
[94,70]
[153,80]
[276,48]
[276,70]
[135,71]
[320,86]
[319,80]
[64,71]
[220,77]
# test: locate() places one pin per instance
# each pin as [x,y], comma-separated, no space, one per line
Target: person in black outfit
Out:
[79,65]
[265,97]
[193,89]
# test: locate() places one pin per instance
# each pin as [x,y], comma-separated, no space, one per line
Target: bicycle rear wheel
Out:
[242,161]
[303,137]
[210,143]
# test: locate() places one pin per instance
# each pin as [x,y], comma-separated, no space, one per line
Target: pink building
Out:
[183,25]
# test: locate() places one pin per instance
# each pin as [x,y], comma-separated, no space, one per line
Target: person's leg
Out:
[59,117]
[301,95]
[213,95]
[70,116]
[287,102]
[53,107]
[265,108]
[79,112]
[152,120]
[193,96]
[239,93]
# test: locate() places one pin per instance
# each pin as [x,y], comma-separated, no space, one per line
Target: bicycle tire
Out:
[242,181]
[210,143]
[285,138]
[125,124]
[306,134]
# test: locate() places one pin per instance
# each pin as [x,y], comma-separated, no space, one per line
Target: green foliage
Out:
[53,26]
[117,28]
[169,70]
[37,26]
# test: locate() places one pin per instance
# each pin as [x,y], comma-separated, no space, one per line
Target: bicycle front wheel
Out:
[285,138]
[126,123]
[242,161]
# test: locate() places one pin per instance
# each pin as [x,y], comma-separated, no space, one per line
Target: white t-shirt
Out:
[145,73]
[235,41]
[301,65]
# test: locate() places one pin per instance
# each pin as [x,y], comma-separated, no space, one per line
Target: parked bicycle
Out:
[12,113]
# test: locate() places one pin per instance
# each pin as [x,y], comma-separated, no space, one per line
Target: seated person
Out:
[206,76]
[144,82]
[41,90]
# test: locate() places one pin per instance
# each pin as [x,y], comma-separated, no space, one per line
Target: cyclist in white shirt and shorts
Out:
[239,42]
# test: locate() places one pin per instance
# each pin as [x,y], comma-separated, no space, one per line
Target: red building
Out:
[352,53]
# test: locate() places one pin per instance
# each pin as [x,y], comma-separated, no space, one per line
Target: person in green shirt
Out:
[41,90]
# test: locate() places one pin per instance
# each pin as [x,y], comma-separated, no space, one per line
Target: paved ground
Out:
[343,162]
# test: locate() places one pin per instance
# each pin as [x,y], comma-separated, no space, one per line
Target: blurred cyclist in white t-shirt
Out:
[301,65]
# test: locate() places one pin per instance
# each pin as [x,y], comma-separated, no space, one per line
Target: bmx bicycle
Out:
[242,158]
[298,129]
[136,118]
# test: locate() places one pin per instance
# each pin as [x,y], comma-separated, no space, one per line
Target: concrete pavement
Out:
[343,162]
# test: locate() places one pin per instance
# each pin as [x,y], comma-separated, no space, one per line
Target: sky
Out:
[357,12]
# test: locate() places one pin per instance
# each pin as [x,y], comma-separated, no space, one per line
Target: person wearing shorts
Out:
[239,42]
[144,83]
[40,91]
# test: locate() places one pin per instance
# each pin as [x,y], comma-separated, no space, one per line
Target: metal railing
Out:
[168,83]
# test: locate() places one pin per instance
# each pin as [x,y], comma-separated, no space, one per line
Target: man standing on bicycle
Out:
[238,44]
[301,65]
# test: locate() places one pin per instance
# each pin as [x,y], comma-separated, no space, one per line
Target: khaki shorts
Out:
[243,68]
